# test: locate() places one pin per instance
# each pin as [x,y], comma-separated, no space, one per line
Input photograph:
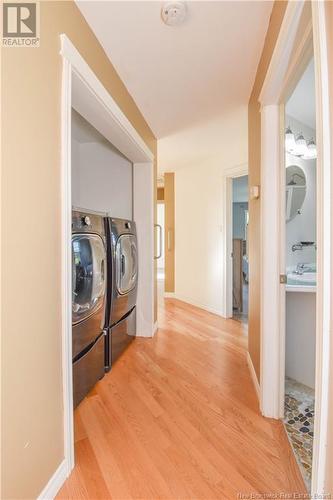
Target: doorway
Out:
[160,227]
[240,261]
[165,236]
[301,268]
[291,56]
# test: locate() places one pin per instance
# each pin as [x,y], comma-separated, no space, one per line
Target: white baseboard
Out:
[253,374]
[169,295]
[192,302]
[55,482]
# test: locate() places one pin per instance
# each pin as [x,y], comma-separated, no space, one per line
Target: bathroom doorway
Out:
[301,268]
[304,36]
[240,262]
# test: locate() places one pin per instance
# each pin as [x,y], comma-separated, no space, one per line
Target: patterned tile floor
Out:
[299,418]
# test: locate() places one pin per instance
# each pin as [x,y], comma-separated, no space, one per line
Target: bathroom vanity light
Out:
[311,153]
[290,141]
[300,147]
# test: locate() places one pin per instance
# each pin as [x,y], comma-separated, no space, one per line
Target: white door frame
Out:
[228,175]
[82,91]
[279,75]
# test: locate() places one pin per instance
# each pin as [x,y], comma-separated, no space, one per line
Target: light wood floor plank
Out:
[178,418]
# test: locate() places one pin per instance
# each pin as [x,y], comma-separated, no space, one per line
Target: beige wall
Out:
[32,414]
[200,218]
[254,179]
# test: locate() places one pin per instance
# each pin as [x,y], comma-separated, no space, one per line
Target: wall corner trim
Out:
[55,482]
[253,374]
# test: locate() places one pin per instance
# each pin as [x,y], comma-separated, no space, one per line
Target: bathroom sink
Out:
[305,279]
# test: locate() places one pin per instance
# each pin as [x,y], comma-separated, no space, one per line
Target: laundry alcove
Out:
[83,92]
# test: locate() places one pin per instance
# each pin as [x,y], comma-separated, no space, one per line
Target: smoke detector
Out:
[174,13]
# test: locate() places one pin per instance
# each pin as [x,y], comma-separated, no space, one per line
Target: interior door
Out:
[88,275]
[126,263]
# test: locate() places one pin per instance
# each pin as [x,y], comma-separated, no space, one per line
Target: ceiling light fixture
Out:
[174,13]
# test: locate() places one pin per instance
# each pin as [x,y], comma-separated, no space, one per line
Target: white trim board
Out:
[82,90]
[324,327]
[271,322]
[66,257]
[278,67]
[143,210]
[55,482]
[100,109]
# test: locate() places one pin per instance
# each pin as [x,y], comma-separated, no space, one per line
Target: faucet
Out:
[301,268]
[297,246]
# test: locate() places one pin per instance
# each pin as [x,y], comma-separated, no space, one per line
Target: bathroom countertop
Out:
[301,288]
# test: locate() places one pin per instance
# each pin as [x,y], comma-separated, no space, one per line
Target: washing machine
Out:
[89,278]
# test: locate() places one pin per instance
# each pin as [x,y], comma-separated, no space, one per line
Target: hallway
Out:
[178,418]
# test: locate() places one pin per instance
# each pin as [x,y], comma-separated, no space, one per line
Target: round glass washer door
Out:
[88,275]
[126,263]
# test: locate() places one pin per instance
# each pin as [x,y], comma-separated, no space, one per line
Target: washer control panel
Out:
[87,222]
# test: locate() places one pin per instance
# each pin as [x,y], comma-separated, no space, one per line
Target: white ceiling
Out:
[183,76]
[302,103]
[221,141]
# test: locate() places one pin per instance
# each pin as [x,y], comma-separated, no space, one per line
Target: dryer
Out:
[122,289]
[89,274]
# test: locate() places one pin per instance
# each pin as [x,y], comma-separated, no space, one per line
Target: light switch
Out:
[254,192]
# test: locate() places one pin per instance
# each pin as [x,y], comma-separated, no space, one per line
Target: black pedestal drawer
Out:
[121,335]
[88,369]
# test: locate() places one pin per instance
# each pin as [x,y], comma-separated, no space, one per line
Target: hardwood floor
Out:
[178,418]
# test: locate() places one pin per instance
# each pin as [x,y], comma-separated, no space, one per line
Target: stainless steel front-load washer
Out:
[89,274]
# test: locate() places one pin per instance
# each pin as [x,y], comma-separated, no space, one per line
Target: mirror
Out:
[295,191]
